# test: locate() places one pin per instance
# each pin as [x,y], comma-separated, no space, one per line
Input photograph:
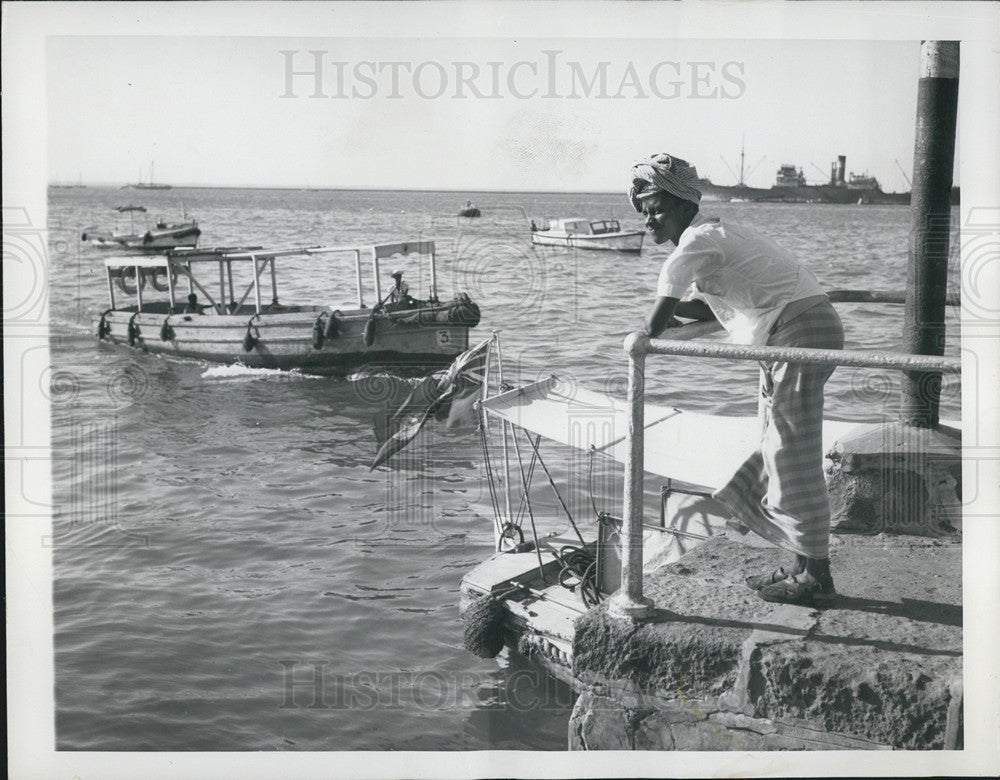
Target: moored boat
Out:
[588,234]
[151,184]
[233,321]
[528,593]
[170,235]
[163,236]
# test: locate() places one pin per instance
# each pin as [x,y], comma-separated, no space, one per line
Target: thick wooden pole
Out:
[930,227]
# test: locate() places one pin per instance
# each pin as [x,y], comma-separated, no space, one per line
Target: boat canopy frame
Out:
[178,263]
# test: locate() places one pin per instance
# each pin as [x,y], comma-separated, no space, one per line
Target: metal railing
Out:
[629,600]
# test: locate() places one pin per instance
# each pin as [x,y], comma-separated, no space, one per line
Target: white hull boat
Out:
[589,234]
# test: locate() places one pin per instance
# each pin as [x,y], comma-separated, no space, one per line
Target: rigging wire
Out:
[531,514]
[555,490]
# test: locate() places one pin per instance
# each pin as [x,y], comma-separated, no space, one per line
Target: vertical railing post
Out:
[357,268]
[628,601]
[378,282]
[170,285]
[930,227]
[434,283]
[256,283]
[111,286]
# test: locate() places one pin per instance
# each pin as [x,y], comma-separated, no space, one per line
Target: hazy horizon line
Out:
[299,188]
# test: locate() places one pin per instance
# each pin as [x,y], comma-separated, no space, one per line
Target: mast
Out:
[743,145]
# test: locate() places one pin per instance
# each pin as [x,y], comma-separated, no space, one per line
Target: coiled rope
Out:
[579,573]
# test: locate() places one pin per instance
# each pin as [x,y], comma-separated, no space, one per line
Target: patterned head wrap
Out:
[663,173]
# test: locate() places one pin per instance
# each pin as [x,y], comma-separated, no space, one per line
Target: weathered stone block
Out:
[897,479]
[599,723]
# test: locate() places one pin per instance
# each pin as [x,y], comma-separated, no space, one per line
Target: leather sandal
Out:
[758,581]
[808,593]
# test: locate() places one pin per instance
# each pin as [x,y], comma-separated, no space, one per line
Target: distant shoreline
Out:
[457,192]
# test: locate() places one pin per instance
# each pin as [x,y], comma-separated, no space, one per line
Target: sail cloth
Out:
[699,449]
[446,395]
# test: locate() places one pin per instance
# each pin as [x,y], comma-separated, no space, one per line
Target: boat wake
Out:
[384,376]
[241,373]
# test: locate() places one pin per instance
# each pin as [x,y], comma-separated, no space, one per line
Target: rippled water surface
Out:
[229,575]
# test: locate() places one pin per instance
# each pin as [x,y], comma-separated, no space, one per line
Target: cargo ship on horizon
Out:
[790,187]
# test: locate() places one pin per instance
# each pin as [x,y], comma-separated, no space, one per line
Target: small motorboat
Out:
[588,234]
[164,235]
[233,322]
[469,210]
[170,235]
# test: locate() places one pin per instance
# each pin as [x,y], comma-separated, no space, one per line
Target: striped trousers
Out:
[779,492]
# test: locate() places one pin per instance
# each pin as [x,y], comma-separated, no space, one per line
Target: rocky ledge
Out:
[719,669]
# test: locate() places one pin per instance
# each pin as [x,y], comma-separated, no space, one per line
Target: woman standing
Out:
[761,295]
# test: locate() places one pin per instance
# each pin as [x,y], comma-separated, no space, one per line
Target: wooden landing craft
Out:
[218,322]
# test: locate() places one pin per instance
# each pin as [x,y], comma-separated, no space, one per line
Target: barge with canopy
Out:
[582,233]
[222,305]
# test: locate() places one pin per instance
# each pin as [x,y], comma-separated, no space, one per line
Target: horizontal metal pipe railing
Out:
[630,601]
[882,296]
[818,357]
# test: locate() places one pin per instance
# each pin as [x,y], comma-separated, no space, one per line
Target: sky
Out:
[472,113]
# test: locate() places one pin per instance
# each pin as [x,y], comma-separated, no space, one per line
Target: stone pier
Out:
[717,668]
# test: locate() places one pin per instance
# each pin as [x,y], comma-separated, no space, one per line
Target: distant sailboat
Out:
[151,184]
[78,186]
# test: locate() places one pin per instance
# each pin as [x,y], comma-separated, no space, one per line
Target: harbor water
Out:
[228,572]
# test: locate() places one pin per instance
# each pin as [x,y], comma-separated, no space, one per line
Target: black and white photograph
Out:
[496,389]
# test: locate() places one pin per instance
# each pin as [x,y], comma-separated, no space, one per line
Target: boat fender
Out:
[166,331]
[318,333]
[133,330]
[104,327]
[128,281]
[332,328]
[249,340]
[482,630]
[162,285]
[464,311]
[369,334]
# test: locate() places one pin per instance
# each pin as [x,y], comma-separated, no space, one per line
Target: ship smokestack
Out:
[841,165]
[833,174]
